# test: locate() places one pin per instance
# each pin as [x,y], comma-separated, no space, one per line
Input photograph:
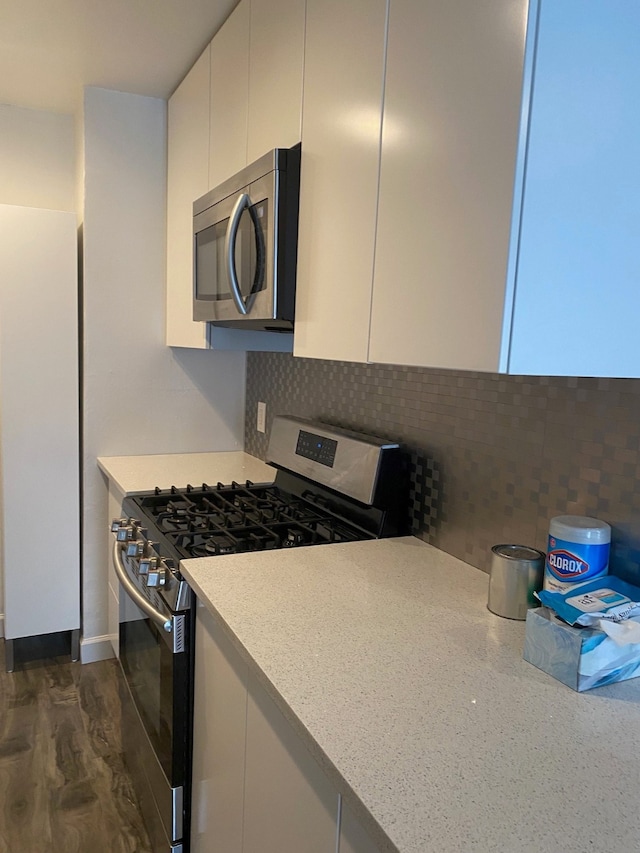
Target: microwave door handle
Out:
[243,203]
[134,594]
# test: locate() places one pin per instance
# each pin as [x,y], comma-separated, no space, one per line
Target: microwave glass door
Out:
[247,246]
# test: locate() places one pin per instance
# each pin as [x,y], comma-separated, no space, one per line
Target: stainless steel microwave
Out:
[245,242]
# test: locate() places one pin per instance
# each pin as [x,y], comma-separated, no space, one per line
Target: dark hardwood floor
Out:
[63,784]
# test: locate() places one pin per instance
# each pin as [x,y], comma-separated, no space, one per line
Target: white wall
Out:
[139,396]
[37,158]
[37,169]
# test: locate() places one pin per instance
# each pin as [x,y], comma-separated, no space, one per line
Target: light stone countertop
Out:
[415,700]
[141,473]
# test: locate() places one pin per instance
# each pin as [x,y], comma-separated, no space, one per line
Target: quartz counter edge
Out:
[142,473]
[416,701]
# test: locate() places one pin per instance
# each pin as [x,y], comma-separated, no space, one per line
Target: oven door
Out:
[234,255]
[155,705]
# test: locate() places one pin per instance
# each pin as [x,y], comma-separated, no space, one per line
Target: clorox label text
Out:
[564,564]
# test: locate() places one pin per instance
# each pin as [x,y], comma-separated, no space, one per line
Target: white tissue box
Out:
[581,658]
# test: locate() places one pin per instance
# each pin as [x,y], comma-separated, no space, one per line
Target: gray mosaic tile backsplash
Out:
[493,457]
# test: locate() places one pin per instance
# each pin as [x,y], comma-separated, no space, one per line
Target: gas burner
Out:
[214,546]
[172,523]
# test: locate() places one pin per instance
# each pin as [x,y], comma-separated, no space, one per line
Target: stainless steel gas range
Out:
[330,486]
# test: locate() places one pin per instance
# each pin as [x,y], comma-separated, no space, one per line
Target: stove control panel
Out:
[351,463]
[318,448]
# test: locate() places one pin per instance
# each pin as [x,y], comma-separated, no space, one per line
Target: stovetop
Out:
[331,486]
[208,520]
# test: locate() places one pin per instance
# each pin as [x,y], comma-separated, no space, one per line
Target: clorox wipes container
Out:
[578,551]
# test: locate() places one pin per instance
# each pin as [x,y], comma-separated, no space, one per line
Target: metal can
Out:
[516,573]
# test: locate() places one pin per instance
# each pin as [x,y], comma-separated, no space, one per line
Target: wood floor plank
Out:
[24,819]
[63,783]
[99,703]
[99,699]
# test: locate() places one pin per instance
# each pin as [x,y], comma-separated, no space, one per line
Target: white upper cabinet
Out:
[577,295]
[469,177]
[498,214]
[275,75]
[228,111]
[187,180]
[229,96]
[256,84]
[343,84]
[450,133]
[504,239]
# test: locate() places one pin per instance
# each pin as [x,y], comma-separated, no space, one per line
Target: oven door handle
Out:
[135,595]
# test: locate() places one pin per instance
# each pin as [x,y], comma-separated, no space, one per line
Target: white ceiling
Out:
[50,49]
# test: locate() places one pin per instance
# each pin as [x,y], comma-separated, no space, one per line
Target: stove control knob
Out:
[127,533]
[157,576]
[117,523]
[136,547]
[147,563]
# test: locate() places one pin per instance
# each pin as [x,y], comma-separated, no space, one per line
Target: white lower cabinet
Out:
[353,838]
[256,787]
[289,804]
[220,715]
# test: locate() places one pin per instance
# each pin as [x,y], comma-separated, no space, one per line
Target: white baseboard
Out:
[95,648]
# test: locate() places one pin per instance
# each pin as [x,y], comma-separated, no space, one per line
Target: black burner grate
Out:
[212,520]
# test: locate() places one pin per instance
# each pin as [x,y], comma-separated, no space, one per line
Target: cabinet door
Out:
[116,496]
[353,838]
[275,75]
[220,707]
[229,96]
[187,180]
[577,296]
[289,802]
[341,115]
[39,420]
[449,142]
